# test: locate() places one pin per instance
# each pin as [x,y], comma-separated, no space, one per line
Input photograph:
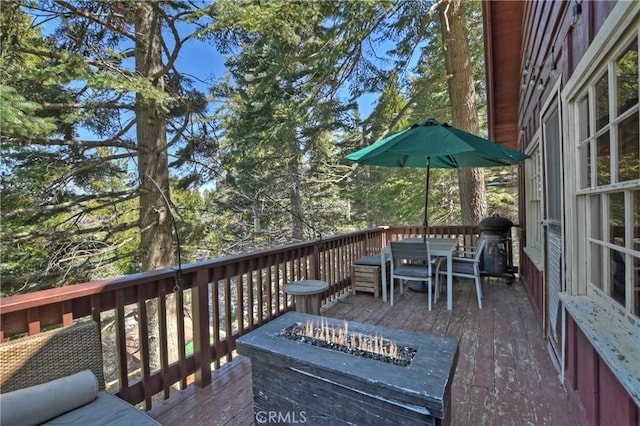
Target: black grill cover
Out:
[495,223]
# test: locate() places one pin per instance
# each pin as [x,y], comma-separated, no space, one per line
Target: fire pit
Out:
[405,377]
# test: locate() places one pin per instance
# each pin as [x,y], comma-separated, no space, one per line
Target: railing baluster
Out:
[228,320]
[201,336]
[33,318]
[121,344]
[67,313]
[251,294]
[269,273]
[240,303]
[279,295]
[182,361]
[143,337]
[161,295]
[215,298]
[96,309]
[260,291]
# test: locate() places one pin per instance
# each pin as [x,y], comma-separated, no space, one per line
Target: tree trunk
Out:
[464,113]
[294,191]
[156,240]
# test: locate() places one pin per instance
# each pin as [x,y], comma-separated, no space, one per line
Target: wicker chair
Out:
[47,356]
[43,358]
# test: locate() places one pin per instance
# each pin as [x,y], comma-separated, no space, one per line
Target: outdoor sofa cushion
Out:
[58,354]
[369,261]
[107,409]
[36,404]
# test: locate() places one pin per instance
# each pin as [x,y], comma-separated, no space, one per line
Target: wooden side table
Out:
[307,295]
[366,275]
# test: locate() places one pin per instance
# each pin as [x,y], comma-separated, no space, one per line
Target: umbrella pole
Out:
[425,223]
[422,287]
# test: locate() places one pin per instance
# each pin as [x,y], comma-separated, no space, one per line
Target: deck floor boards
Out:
[504,374]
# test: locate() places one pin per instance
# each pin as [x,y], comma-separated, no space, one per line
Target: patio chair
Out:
[466,264]
[412,261]
[57,377]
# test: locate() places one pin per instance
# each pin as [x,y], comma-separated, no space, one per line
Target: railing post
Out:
[201,337]
[386,237]
[315,261]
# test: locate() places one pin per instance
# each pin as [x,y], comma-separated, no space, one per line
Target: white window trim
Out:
[619,22]
[613,332]
[535,252]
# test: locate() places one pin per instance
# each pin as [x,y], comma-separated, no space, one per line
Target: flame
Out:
[340,335]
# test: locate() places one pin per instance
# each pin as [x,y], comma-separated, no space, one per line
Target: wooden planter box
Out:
[367,277]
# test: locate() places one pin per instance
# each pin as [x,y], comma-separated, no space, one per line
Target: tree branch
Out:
[410,102]
[94,19]
[85,105]
[83,143]
[104,63]
[40,280]
[76,217]
[171,59]
[21,236]
[93,163]
[51,208]
[176,138]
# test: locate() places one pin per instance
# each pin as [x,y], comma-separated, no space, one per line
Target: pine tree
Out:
[102,76]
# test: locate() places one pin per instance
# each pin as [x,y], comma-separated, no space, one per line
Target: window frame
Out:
[601,57]
[602,286]
[534,201]
[613,330]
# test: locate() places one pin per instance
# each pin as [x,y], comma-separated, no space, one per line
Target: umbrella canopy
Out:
[446,146]
[439,145]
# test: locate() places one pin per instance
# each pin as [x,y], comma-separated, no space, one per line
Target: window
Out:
[534,203]
[602,191]
[607,119]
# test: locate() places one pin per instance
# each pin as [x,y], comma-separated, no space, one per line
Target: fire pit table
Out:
[300,380]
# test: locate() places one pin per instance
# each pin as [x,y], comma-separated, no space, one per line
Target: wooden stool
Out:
[307,295]
[366,275]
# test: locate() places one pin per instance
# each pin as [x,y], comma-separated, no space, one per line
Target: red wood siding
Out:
[533,277]
[586,375]
[547,35]
[597,395]
[615,406]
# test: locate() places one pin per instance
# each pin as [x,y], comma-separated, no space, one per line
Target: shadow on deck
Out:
[504,374]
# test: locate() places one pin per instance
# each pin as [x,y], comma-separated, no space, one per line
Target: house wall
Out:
[595,392]
[533,282]
[599,397]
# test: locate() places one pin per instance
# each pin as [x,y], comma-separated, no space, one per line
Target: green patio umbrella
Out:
[433,144]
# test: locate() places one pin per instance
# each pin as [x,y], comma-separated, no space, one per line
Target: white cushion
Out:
[37,404]
[106,410]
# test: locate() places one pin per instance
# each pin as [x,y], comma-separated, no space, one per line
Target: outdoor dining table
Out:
[444,247]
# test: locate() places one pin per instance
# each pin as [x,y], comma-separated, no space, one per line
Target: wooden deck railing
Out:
[209,303]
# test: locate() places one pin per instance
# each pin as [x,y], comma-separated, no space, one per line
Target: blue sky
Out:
[201,60]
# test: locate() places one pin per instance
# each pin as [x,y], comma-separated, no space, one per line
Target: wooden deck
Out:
[227,401]
[504,375]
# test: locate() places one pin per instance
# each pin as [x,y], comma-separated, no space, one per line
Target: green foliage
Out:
[19,117]
[413,95]
[283,108]
[270,154]
[68,101]
[502,192]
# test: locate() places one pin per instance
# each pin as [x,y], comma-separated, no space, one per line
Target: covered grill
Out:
[497,257]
